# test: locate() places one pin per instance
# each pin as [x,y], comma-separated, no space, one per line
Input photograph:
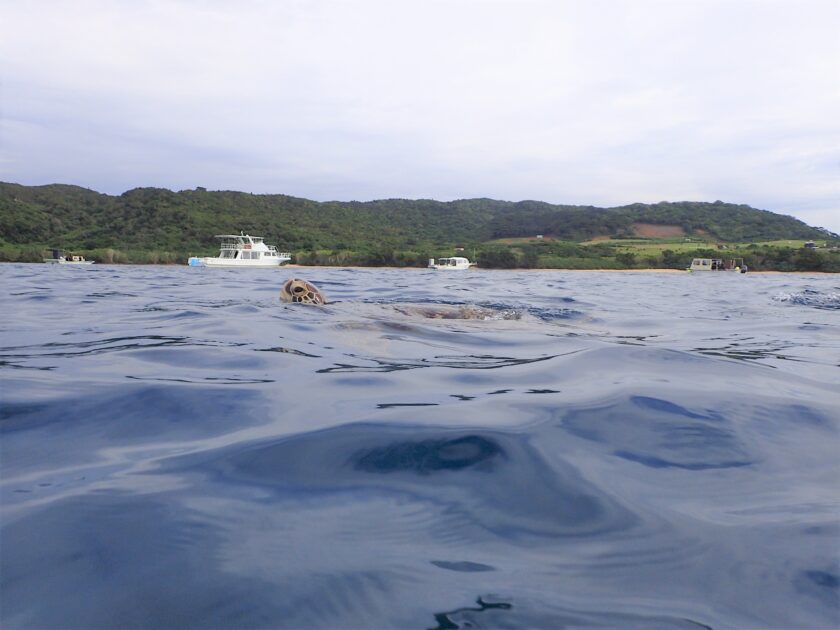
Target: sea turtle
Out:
[301,292]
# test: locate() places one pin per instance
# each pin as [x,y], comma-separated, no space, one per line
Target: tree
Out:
[628,259]
[497,259]
[670,258]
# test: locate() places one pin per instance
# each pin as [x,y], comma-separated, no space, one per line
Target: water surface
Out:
[634,450]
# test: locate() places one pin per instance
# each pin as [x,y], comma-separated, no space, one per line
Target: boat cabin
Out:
[718,264]
[453,262]
[244,247]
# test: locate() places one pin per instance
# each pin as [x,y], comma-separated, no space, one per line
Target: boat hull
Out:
[236,264]
[448,268]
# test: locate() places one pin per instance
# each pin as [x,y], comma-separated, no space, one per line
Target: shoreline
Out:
[544,269]
[472,270]
[480,269]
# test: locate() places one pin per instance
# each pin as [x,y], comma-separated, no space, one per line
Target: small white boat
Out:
[60,258]
[455,262]
[242,250]
[718,264]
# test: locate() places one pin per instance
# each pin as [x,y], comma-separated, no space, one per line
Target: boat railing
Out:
[257,244]
[272,249]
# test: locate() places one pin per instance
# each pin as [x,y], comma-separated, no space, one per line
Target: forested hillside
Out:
[159,225]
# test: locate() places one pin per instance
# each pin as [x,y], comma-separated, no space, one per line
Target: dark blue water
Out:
[620,450]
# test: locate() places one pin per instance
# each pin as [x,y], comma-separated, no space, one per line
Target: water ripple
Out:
[829,301]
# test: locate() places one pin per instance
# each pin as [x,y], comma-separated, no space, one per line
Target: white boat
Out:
[60,258]
[718,264]
[455,262]
[242,250]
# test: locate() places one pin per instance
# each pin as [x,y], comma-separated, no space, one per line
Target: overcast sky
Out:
[588,102]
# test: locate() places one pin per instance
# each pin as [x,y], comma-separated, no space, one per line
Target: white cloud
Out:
[602,102]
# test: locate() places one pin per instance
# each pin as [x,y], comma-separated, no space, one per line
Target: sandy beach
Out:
[479,269]
[475,269]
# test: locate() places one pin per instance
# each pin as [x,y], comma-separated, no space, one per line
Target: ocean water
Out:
[485,449]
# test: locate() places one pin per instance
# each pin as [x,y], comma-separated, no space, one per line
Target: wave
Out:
[829,301]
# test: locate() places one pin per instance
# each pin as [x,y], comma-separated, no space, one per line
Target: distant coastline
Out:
[159,226]
[474,270]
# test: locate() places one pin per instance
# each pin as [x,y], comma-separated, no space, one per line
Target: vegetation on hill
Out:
[159,225]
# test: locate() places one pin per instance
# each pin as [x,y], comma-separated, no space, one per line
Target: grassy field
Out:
[653,247]
[524,240]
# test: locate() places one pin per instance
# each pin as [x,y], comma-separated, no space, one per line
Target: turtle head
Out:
[300,291]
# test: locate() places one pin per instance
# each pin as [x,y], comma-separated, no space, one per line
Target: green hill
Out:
[154,224]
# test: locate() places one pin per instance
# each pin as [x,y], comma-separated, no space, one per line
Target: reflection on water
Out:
[462,617]
[660,434]
[428,456]
[578,450]
[478,477]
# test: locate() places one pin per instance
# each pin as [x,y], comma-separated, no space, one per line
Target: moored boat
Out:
[59,257]
[242,250]
[718,264]
[455,263]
